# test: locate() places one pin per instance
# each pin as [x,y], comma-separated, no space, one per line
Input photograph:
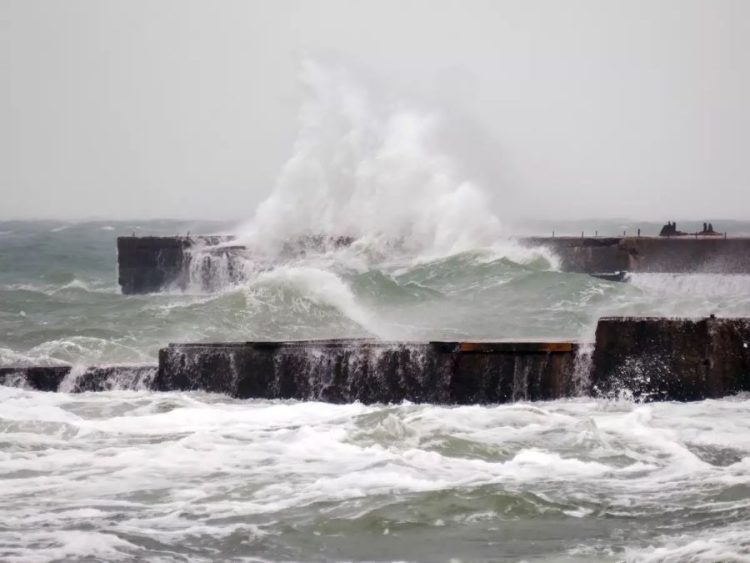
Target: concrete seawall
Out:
[343,371]
[151,264]
[647,358]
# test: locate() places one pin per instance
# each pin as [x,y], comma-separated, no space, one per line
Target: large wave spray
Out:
[370,171]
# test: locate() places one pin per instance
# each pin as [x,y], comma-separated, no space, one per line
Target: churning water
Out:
[194,477]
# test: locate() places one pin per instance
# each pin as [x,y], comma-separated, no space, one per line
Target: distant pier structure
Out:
[667,254]
[151,264]
[670,230]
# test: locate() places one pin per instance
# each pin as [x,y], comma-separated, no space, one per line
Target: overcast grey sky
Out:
[177,108]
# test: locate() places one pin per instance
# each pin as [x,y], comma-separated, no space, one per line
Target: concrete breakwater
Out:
[648,358]
[343,371]
[152,264]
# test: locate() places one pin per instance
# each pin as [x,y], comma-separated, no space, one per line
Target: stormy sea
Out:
[129,474]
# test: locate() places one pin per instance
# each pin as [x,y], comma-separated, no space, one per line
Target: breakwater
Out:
[152,264]
[648,358]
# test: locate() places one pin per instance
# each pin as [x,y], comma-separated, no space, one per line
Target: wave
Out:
[341,287]
[321,288]
[371,173]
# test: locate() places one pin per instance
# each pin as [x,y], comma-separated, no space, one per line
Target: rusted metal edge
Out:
[467,347]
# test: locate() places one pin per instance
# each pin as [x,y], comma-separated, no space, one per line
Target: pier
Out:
[152,264]
[642,357]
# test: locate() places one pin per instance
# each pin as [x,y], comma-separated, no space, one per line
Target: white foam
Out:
[196,470]
[694,286]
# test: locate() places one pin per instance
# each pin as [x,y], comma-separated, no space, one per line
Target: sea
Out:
[135,475]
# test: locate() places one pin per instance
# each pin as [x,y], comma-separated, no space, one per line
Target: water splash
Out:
[582,369]
[373,173]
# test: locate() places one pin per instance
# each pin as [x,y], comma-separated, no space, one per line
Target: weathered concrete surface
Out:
[649,254]
[672,359]
[97,378]
[342,371]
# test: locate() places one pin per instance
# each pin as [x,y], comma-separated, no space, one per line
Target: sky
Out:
[557,109]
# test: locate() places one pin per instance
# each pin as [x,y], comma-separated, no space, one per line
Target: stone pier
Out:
[646,358]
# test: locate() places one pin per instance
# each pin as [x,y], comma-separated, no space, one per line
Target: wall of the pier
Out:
[346,371]
[148,264]
[671,359]
[586,255]
[648,358]
[152,264]
[650,254]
